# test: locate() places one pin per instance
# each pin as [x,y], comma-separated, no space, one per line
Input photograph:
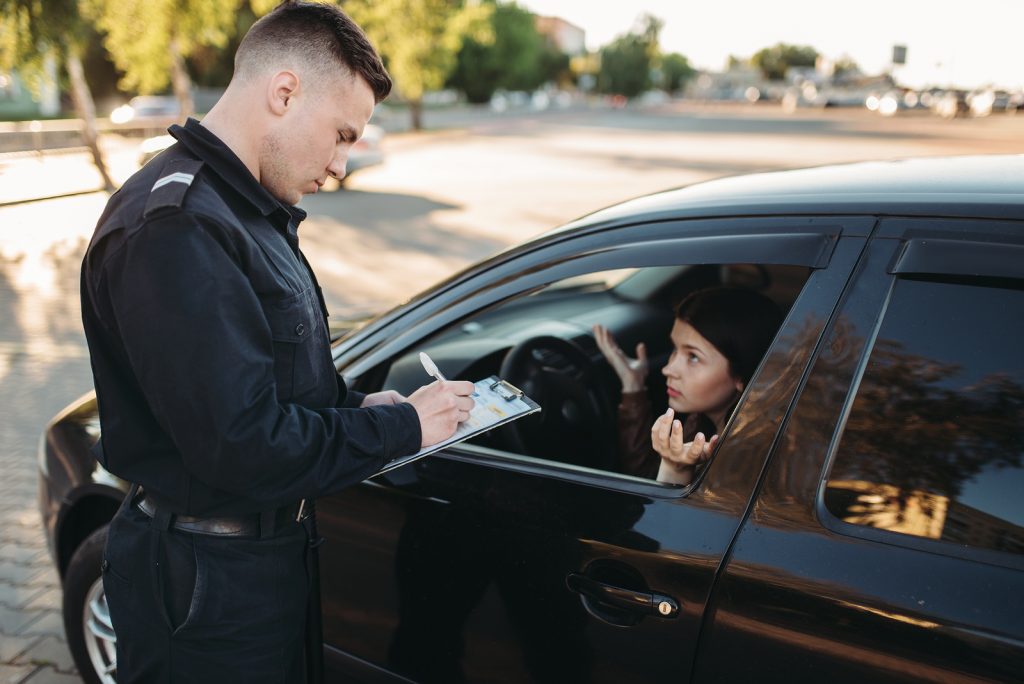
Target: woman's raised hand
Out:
[677,455]
[632,372]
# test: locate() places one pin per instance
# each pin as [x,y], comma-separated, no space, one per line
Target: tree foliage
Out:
[627,61]
[149,40]
[675,72]
[518,58]
[775,61]
[420,39]
[32,31]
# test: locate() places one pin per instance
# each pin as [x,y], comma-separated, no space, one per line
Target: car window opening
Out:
[545,343]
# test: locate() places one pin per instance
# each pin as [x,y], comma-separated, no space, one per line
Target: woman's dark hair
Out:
[739,323]
[320,34]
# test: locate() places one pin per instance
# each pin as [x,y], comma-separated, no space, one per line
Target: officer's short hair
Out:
[321,36]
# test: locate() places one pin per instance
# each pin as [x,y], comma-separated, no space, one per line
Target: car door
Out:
[482,565]
[887,542]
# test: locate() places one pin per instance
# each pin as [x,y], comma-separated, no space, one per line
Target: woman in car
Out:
[718,339]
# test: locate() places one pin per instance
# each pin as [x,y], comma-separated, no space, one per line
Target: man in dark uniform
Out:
[217,392]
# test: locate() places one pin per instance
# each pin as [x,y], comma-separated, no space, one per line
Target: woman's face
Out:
[698,376]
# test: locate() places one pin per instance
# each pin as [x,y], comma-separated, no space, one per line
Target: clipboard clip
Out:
[507,390]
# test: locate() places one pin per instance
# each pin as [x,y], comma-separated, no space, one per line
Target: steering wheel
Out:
[575,423]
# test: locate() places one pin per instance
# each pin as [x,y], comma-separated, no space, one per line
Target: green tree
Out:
[419,40]
[516,59]
[151,39]
[627,61]
[675,72]
[555,65]
[31,31]
[776,60]
[845,68]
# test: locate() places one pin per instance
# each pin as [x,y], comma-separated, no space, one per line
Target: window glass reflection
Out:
[934,442]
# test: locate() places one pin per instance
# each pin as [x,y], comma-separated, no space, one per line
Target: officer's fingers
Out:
[464,403]
[462,388]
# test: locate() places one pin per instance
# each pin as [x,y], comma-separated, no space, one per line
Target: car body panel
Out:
[850,602]
[468,553]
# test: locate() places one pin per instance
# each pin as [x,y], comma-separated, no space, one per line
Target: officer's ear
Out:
[281,92]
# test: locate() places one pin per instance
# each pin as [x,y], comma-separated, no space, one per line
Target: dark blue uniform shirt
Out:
[209,344]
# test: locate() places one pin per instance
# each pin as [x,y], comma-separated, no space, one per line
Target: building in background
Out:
[567,37]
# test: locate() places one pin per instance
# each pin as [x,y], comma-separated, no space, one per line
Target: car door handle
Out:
[625,599]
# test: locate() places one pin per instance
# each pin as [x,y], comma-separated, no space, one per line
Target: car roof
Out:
[970,186]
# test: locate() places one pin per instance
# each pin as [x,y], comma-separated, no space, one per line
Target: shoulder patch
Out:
[170,189]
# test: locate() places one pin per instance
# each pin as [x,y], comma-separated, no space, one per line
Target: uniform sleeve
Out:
[348,398]
[201,350]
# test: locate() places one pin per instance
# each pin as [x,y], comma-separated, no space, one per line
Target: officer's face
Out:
[313,140]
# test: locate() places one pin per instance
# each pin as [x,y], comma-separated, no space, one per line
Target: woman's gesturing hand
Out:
[678,457]
[632,372]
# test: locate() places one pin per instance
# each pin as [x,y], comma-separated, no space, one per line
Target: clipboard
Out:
[496,402]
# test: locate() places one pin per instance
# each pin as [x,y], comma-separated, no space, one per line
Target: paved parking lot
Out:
[37,381]
[441,201]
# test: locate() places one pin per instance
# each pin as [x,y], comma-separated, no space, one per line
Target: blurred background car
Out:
[951,104]
[146,107]
[987,101]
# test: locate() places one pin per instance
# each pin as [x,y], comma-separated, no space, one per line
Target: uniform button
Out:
[299,329]
[104,565]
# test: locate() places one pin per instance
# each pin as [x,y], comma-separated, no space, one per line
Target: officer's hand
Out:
[441,406]
[385,398]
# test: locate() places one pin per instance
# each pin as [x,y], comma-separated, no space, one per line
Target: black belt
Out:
[251,525]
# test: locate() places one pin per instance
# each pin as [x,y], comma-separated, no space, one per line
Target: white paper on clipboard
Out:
[496,402]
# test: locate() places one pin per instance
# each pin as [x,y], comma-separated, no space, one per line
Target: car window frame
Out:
[562,247]
[806,241]
[921,248]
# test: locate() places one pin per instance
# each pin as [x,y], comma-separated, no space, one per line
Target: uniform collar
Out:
[201,142]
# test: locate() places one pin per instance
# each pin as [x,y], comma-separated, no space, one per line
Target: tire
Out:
[86,619]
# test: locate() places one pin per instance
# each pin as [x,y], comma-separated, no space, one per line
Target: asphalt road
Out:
[445,198]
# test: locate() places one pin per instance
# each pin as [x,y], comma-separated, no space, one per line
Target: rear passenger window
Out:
[934,442]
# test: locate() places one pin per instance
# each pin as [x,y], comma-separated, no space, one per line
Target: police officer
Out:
[217,392]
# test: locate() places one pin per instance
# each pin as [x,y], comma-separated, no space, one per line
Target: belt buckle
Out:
[302,515]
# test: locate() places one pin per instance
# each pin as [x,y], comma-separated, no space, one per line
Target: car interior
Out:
[542,342]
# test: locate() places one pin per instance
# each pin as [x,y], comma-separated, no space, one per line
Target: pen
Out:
[428,365]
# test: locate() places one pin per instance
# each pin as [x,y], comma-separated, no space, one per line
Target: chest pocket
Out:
[301,354]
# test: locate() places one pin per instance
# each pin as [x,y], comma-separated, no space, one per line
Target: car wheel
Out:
[86,618]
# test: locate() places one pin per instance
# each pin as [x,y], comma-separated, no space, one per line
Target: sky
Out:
[963,44]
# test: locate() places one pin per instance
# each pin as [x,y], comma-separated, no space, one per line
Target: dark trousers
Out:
[198,608]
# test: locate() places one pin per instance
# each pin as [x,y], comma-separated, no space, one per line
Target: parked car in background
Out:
[951,104]
[368,151]
[861,519]
[148,108]
[987,101]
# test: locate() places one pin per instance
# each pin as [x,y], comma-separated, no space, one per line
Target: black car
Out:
[861,520]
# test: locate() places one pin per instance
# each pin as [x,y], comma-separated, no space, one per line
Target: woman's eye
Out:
[692,358]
